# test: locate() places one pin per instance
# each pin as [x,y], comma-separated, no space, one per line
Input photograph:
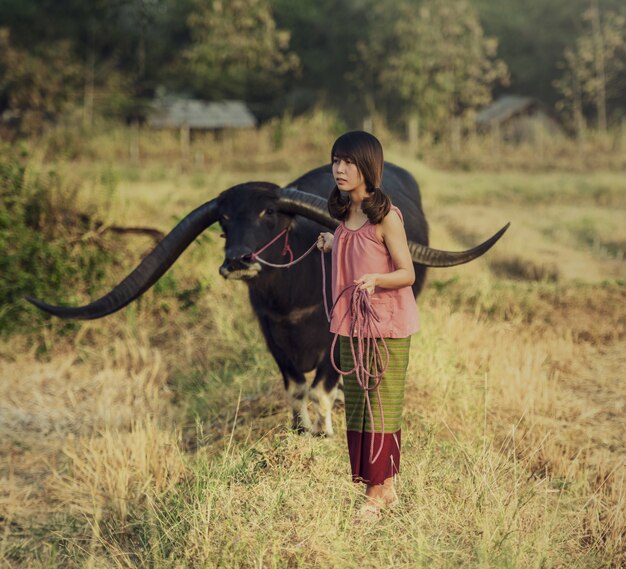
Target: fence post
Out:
[539,137]
[496,137]
[134,142]
[185,141]
[455,136]
[201,149]
[413,132]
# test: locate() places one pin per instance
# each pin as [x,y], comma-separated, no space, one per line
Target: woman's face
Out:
[347,175]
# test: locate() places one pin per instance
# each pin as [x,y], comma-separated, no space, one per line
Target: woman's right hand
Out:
[325,242]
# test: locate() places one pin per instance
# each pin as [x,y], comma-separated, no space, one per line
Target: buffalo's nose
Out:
[232,264]
[241,262]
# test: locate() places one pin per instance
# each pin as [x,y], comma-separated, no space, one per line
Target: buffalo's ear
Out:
[148,272]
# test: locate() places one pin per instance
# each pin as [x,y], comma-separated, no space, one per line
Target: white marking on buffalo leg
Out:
[298,400]
[340,397]
[323,404]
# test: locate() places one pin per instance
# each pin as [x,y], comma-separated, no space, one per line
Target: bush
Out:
[42,250]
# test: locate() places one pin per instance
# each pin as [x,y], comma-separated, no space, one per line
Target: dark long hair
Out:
[366,152]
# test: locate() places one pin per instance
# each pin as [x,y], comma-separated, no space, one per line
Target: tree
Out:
[593,67]
[237,51]
[36,87]
[532,37]
[570,85]
[325,34]
[429,59]
[124,49]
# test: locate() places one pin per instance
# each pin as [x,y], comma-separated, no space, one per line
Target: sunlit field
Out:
[160,436]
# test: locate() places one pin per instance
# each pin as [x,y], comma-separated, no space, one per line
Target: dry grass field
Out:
[159,436]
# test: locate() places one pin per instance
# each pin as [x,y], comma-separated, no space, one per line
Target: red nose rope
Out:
[363,327]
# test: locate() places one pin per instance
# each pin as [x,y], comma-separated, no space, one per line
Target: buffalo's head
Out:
[250,216]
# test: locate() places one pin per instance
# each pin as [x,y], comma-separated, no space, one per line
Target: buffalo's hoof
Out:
[324,435]
[299,428]
[320,432]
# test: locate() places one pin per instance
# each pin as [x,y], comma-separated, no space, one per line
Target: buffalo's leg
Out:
[298,394]
[294,380]
[340,398]
[323,393]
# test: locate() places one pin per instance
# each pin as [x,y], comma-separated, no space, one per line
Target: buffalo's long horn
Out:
[148,272]
[435,258]
[316,208]
[307,205]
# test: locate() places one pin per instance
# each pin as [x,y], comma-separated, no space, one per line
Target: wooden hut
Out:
[518,119]
[195,114]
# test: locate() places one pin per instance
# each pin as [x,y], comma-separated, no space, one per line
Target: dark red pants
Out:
[385,466]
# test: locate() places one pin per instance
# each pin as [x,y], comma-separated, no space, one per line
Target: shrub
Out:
[42,244]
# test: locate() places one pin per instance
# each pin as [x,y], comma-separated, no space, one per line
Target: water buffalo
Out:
[288,303]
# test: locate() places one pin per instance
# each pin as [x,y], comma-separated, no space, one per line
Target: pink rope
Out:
[286,249]
[363,327]
[255,257]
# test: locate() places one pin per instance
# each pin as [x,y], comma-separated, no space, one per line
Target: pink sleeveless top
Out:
[357,252]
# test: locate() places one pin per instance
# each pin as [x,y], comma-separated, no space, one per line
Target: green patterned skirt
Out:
[361,431]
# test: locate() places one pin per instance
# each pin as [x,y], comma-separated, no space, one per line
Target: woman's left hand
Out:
[367,283]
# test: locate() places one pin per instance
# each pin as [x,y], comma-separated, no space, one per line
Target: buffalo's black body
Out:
[289,302]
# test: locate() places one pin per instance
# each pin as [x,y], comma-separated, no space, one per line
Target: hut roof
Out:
[504,108]
[176,112]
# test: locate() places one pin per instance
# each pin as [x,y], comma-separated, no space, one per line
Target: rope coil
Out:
[363,327]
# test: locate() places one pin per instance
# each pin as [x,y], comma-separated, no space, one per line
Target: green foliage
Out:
[429,59]
[41,253]
[36,86]
[593,67]
[237,50]
[325,35]
[533,36]
[426,61]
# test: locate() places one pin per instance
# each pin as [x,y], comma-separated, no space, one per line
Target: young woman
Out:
[370,252]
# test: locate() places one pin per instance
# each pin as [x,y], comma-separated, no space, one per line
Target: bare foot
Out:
[382,495]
